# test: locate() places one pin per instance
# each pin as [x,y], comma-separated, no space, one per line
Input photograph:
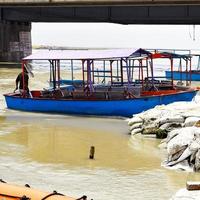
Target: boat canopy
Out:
[170,55]
[88,54]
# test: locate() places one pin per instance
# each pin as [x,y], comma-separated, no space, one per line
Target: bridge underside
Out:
[159,14]
[15,21]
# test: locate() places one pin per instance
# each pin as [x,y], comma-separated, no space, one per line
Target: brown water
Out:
[50,152]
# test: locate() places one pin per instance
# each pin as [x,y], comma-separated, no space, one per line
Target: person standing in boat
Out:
[20,82]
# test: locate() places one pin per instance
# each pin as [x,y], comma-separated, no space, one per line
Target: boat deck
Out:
[101,94]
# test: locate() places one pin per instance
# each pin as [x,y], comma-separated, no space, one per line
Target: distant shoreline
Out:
[10,64]
[66,48]
[57,48]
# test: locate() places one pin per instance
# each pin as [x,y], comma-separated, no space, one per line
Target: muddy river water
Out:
[50,152]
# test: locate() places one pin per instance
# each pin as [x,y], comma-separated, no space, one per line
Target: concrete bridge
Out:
[16,17]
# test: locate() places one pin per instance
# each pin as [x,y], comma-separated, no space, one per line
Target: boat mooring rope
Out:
[15,197]
[84,197]
[52,194]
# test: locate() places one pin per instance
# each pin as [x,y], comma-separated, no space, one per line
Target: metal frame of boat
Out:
[124,95]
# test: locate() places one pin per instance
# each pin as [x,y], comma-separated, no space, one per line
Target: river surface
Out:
[50,152]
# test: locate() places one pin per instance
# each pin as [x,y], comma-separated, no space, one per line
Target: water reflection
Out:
[67,140]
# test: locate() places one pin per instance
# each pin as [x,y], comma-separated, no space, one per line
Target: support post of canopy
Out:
[121,68]
[104,69]
[180,70]
[23,63]
[93,71]
[129,64]
[142,77]
[58,72]
[53,74]
[55,71]
[172,71]
[147,68]
[132,70]
[50,72]
[152,74]
[117,70]
[72,71]
[111,73]
[190,60]
[128,73]
[186,72]
[83,71]
[139,71]
[87,73]
[89,81]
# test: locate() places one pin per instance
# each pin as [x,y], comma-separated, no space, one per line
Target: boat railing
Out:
[79,95]
[182,87]
[107,92]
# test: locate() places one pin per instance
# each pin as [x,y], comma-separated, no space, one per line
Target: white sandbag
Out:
[191,113]
[172,134]
[155,113]
[170,126]
[190,121]
[134,126]
[185,136]
[171,119]
[135,120]
[136,131]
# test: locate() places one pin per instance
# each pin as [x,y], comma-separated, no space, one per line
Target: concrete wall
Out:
[15,40]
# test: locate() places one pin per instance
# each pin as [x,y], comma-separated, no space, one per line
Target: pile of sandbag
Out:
[165,118]
[179,124]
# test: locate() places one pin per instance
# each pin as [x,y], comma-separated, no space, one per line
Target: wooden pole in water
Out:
[92,151]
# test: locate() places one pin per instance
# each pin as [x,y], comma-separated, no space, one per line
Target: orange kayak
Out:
[12,192]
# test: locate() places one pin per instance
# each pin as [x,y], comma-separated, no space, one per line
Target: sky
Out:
[108,35]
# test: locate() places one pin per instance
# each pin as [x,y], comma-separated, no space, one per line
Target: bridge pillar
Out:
[15,40]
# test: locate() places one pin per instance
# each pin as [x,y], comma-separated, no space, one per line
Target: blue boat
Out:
[113,91]
[184,73]
[194,75]
[125,107]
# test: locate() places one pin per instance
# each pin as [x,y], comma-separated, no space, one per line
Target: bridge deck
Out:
[98,2]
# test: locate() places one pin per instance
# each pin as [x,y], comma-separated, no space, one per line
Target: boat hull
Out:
[125,108]
[13,192]
[195,75]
